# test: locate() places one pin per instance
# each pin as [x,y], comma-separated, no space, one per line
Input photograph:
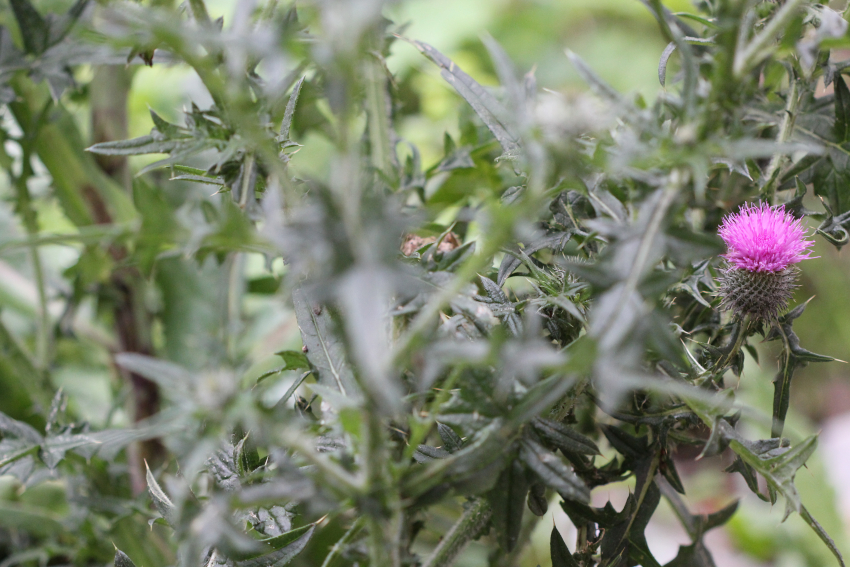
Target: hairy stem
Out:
[784,134]
[470,525]
[343,541]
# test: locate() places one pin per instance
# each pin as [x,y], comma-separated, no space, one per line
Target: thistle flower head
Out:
[764,239]
[763,243]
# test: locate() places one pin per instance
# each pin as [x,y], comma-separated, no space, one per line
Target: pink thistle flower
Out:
[764,239]
[763,243]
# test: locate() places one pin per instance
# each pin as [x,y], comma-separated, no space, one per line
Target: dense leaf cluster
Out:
[531,317]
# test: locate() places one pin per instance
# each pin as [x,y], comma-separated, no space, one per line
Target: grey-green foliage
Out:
[429,377]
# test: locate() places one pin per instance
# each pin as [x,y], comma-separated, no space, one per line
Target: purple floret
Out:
[764,239]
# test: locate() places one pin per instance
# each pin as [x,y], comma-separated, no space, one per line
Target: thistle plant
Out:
[302,385]
[763,244]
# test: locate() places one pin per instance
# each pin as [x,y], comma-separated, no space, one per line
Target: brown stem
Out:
[109,89]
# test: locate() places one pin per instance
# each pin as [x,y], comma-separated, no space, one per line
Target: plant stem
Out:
[336,477]
[470,525]
[650,478]
[679,507]
[42,345]
[736,342]
[375,79]
[784,134]
[581,538]
[642,256]
[42,341]
[385,519]
[782,387]
[758,49]
[236,264]
[110,88]
[247,187]
[688,65]
[30,219]
[347,537]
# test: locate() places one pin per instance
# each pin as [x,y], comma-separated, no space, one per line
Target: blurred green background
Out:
[620,40]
